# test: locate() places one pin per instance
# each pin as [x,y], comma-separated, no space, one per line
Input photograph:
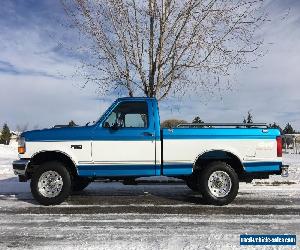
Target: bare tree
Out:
[22,127]
[158,47]
[172,123]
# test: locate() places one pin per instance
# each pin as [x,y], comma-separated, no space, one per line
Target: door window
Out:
[128,115]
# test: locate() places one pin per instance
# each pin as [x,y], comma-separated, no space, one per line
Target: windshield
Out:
[105,113]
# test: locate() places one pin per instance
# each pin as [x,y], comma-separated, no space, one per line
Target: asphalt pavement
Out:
[146,216]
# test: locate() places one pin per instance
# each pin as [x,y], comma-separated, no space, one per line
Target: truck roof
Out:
[136,98]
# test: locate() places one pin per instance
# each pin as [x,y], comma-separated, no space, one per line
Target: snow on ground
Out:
[138,231]
[8,153]
[291,159]
[114,216]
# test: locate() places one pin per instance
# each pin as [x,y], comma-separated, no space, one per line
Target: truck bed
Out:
[255,148]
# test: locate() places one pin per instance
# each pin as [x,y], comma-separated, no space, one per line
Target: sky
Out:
[37,88]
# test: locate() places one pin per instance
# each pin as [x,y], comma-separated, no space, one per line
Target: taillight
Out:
[279,146]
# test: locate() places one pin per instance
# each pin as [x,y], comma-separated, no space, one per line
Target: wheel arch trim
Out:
[55,151]
[215,150]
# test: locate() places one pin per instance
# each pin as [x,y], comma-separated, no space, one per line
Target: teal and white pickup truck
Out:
[127,142]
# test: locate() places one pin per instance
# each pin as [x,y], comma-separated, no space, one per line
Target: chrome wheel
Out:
[50,184]
[219,184]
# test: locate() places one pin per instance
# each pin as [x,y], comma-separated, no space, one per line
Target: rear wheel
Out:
[80,183]
[50,183]
[218,183]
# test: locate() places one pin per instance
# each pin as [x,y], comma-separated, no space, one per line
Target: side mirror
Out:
[106,125]
[115,126]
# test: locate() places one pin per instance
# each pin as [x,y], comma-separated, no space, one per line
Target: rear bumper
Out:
[20,166]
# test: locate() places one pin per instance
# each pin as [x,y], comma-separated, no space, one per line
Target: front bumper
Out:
[20,166]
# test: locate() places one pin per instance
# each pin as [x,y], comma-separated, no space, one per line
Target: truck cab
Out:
[127,142]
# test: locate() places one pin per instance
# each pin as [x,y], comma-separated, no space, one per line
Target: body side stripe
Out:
[262,166]
[214,137]
[171,137]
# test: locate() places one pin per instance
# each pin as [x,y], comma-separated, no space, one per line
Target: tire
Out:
[191,182]
[79,183]
[219,183]
[51,183]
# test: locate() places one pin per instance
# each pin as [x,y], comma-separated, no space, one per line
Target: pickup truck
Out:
[128,142]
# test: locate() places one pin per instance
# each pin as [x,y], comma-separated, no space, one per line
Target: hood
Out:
[59,134]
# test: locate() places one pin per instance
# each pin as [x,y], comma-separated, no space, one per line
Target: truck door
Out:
[124,142]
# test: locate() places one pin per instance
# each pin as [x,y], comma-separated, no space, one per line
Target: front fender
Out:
[76,154]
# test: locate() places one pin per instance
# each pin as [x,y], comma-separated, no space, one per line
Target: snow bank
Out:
[8,153]
[291,159]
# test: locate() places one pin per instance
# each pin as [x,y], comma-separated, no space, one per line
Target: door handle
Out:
[148,134]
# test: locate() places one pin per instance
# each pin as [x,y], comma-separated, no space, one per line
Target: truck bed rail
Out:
[247,125]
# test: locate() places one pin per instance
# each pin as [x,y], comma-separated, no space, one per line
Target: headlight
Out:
[21,145]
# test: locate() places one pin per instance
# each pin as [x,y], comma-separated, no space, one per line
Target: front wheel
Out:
[219,183]
[50,183]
